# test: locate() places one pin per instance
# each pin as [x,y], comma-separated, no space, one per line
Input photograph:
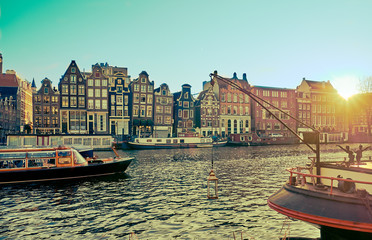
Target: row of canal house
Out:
[107,101]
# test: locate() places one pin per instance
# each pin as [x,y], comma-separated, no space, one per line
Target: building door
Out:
[113,127]
[64,127]
[91,130]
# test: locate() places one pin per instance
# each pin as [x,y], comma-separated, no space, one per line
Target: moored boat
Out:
[175,142]
[338,200]
[54,164]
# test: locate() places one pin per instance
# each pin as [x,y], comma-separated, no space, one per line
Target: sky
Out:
[276,43]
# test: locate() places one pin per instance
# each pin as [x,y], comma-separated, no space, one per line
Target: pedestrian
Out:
[350,154]
[359,153]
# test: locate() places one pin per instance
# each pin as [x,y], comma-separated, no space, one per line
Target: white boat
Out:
[175,142]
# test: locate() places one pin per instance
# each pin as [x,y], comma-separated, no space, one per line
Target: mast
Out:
[315,139]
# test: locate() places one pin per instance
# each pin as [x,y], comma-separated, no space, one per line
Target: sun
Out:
[346,86]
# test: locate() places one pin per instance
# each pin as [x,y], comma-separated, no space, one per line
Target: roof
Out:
[274,88]
[319,85]
[8,80]
[33,83]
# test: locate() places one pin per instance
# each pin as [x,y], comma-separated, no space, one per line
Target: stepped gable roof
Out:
[8,80]
[201,94]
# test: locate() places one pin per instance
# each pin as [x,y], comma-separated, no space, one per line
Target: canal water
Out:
[164,196]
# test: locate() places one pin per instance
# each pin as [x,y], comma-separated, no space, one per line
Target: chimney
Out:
[234,76]
[244,76]
[1,63]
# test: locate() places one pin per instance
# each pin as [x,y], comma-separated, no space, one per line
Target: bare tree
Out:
[365,85]
[365,88]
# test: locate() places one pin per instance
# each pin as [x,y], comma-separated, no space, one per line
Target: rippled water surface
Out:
[163,196]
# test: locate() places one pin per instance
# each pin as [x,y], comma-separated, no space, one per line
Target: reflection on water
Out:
[163,196]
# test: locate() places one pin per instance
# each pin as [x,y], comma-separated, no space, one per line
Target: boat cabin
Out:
[40,158]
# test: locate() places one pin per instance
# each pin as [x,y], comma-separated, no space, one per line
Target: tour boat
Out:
[53,164]
[174,142]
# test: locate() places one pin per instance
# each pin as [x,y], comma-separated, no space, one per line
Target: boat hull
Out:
[64,173]
[340,213]
[167,146]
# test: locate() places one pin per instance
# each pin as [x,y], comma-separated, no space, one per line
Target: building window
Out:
[97,75]
[104,93]
[64,101]
[90,92]
[229,97]
[136,87]
[126,100]
[186,96]
[73,89]
[143,80]
[54,99]
[81,102]
[186,104]
[168,110]
[104,82]
[149,111]
[143,111]
[98,82]
[159,119]
[119,99]
[235,98]
[90,82]
[159,109]
[46,99]
[98,103]
[180,113]
[81,90]
[185,114]
[64,89]
[46,90]
[104,104]
[135,110]
[73,70]
[149,88]
[143,88]
[136,98]
[149,99]
[73,102]
[98,93]
[73,78]
[143,98]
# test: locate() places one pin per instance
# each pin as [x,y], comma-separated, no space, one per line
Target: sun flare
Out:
[346,86]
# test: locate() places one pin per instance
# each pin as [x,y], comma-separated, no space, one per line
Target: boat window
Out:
[32,163]
[64,160]
[64,153]
[44,154]
[12,155]
[158,140]
[174,140]
[12,164]
[149,140]
[78,159]
[182,140]
[168,141]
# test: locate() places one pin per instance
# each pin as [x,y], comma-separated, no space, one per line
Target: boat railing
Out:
[297,170]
